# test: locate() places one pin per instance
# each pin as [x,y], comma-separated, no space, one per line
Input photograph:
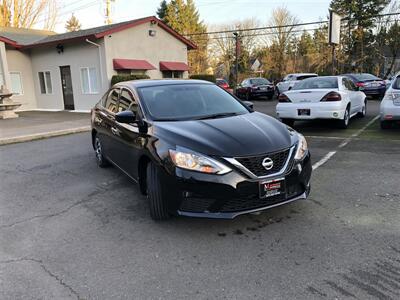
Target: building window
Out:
[172,74]
[45,82]
[16,83]
[89,81]
[131,72]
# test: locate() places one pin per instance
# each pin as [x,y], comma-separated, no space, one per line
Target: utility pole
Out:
[236,59]
[108,11]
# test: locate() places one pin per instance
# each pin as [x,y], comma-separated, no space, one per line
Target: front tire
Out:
[344,123]
[102,162]
[363,111]
[156,194]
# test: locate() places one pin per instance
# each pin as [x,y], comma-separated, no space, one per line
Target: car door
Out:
[352,94]
[107,116]
[129,141]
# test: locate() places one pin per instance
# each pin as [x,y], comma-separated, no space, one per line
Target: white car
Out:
[324,97]
[290,80]
[390,105]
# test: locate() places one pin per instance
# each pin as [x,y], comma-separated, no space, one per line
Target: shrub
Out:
[206,77]
[118,78]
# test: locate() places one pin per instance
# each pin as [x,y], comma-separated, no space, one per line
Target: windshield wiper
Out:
[216,116]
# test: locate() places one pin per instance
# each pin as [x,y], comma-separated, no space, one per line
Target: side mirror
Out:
[249,104]
[126,116]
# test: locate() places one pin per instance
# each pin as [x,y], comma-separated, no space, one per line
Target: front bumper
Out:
[233,194]
[319,110]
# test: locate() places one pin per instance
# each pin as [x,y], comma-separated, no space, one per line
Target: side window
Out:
[347,83]
[112,101]
[352,85]
[127,102]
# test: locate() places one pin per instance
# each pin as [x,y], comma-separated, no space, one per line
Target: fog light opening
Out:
[335,114]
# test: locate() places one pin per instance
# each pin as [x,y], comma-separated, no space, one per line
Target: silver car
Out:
[290,80]
[390,105]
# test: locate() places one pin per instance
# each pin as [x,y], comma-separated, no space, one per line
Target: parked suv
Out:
[290,80]
[390,105]
[198,151]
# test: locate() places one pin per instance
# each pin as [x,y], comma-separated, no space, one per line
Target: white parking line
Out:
[343,144]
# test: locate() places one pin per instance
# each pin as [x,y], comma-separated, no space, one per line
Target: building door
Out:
[66,82]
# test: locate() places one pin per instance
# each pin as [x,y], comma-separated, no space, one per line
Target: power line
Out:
[281,26]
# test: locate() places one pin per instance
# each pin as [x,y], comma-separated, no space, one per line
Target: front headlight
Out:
[302,148]
[196,162]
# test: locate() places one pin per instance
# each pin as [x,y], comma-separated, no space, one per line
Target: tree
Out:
[28,13]
[183,17]
[359,38]
[73,24]
[281,36]
[162,10]
[393,43]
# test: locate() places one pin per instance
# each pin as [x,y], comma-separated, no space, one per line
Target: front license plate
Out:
[272,188]
[303,112]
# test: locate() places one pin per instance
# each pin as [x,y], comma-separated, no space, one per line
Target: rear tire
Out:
[288,122]
[156,194]
[363,112]
[102,162]
[386,124]
[344,123]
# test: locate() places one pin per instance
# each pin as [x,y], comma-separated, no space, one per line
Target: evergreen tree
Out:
[73,24]
[162,10]
[358,37]
[183,17]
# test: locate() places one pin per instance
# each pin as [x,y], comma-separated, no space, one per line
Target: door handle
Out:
[114,131]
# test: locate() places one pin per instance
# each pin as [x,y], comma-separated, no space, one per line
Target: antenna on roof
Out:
[108,20]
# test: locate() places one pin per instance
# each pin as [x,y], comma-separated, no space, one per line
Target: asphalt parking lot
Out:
[69,230]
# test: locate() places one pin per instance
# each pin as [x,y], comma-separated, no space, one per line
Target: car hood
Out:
[243,135]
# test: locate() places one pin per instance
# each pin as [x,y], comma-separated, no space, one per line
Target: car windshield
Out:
[178,102]
[364,77]
[259,81]
[396,83]
[317,83]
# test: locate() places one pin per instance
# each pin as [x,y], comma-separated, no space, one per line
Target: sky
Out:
[91,12]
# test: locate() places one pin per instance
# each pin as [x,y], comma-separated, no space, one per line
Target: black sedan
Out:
[371,85]
[196,150]
[254,88]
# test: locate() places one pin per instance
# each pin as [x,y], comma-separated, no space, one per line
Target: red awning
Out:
[173,66]
[132,64]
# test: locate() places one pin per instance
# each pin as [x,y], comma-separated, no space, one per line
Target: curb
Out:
[42,135]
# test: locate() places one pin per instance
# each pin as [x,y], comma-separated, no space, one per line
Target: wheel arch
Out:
[94,132]
[144,160]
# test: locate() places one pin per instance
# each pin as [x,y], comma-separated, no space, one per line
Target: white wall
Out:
[135,43]
[78,55]
[21,62]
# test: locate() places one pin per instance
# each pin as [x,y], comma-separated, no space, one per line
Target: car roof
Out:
[157,82]
[302,74]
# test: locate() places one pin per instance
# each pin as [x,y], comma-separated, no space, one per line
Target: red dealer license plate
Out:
[272,188]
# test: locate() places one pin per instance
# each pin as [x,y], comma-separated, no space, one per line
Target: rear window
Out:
[305,77]
[396,83]
[364,77]
[259,81]
[317,83]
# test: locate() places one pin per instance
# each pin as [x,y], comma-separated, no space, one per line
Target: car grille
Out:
[254,163]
